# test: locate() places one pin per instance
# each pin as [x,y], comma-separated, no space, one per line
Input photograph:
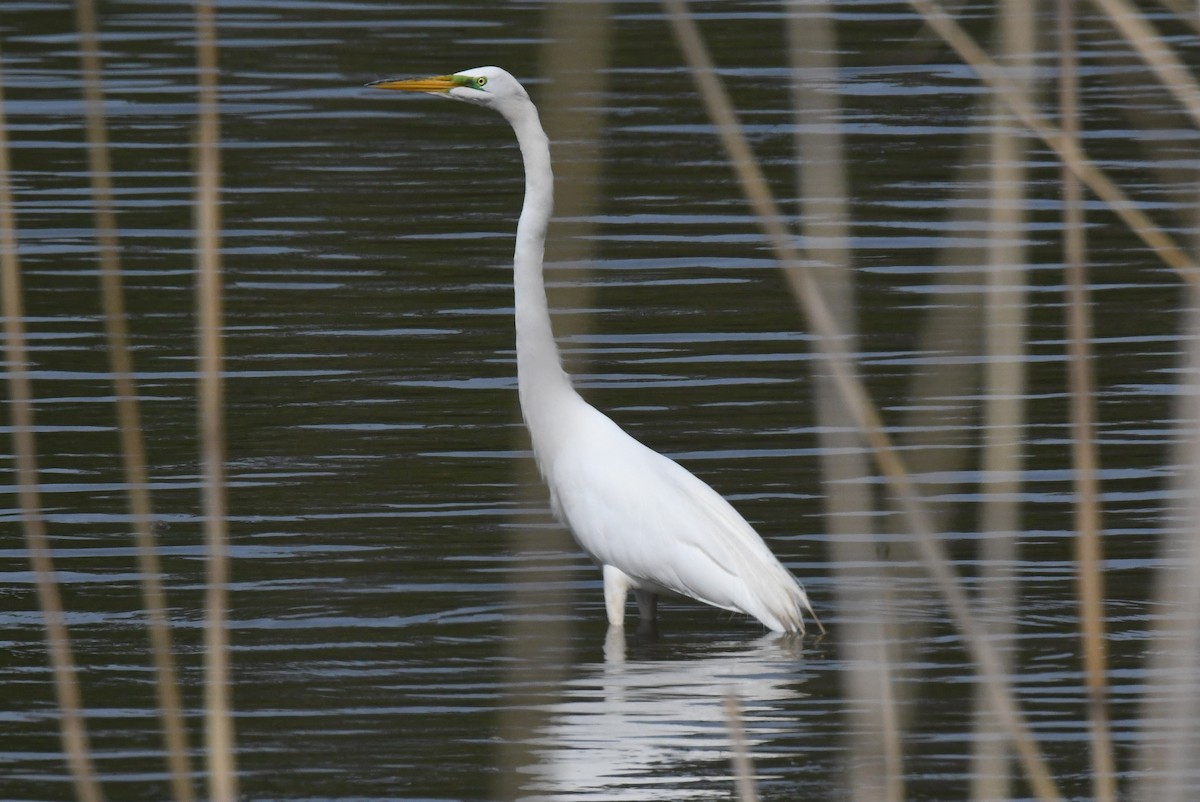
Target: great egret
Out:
[650,524]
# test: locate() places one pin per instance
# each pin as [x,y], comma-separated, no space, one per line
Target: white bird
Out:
[650,524]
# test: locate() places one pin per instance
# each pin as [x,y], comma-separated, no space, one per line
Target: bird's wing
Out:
[645,514]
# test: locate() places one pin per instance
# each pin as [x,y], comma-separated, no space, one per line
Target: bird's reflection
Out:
[636,726]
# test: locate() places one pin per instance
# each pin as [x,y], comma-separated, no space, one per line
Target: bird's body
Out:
[654,526]
[648,522]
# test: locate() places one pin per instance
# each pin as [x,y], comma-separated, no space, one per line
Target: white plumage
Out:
[649,523]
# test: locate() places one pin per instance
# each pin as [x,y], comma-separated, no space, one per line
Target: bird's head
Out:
[483,86]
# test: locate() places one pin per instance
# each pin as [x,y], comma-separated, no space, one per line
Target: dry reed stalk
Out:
[1162,61]
[861,585]
[832,347]
[938,422]
[743,766]
[128,415]
[1089,568]
[72,726]
[575,63]
[1168,744]
[1068,151]
[575,59]
[1004,382]
[1143,109]
[219,734]
[1188,15]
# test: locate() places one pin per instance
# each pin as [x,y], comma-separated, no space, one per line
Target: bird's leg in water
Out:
[647,602]
[616,587]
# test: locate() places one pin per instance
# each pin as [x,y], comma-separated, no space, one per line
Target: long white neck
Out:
[544,387]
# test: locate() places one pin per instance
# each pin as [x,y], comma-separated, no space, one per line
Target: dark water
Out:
[380,490]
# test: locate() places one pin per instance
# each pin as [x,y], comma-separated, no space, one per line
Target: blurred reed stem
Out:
[867,418]
[743,766]
[1068,151]
[1004,383]
[937,429]
[575,66]
[128,415]
[1085,458]
[860,583]
[1188,15]
[219,740]
[1143,110]
[1158,56]
[72,726]
[1168,742]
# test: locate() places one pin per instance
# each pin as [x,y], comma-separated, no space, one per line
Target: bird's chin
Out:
[466,96]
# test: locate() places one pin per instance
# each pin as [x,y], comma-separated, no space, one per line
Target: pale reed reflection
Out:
[1085,452]
[630,728]
[24,475]
[576,56]
[1168,749]
[1005,382]
[128,409]
[850,500]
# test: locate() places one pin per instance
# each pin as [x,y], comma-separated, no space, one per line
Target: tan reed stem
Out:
[1162,61]
[1168,738]
[1068,151]
[575,60]
[128,414]
[867,418]
[1004,333]
[1188,15]
[72,726]
[1088,558]
[222,770]
[743,766]
[861,581]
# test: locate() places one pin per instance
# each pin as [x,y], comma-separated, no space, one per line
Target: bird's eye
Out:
[480,81]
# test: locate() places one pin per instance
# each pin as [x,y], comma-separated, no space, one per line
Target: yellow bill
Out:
[439,84]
